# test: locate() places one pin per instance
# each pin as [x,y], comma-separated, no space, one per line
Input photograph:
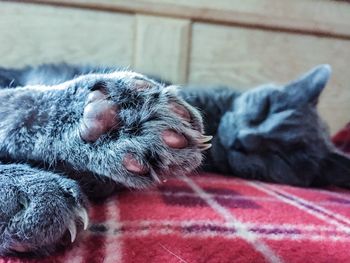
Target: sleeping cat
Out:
[68,132]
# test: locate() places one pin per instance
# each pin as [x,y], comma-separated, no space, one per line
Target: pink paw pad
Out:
[181,111]
[132,165]
[174,140]
[100,116]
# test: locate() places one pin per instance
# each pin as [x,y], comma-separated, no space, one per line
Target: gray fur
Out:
[35,208]
[272,133]
[40,124]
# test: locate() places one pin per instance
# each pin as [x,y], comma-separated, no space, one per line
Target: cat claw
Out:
[204,142]
[72,228]
[82,214]
[204,146]
[205,138]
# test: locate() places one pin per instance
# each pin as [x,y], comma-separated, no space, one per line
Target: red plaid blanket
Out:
[211,218]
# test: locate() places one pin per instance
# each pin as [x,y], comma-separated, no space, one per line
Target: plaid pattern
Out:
[212,218]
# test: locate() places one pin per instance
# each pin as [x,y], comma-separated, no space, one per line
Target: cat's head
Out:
[275,133]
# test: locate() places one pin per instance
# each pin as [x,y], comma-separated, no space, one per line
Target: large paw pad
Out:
[147,127]
[100,116]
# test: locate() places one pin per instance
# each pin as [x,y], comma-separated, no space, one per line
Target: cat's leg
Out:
[46,74]
[38,210]
[119,125]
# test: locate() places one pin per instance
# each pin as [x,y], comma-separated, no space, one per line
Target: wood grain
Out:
[319,17]
[249,52]
[32,34]
[161,47]
[244,58]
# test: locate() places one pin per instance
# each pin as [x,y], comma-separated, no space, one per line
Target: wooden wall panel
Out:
[310,16]
[247,43]
[246,57]
[161,47]
[32,34]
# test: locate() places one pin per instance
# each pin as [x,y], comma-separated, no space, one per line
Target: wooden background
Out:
[234,42]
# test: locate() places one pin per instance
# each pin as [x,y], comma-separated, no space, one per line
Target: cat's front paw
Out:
[39,211]
[136,131]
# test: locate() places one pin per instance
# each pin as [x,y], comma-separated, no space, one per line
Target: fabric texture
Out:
[213,218]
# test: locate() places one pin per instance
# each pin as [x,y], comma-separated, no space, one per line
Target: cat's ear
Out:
[308,87]
[335,168]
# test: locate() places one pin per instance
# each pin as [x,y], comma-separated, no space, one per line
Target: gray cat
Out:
[68,132]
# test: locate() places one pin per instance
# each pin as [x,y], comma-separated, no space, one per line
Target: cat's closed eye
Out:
[262,113]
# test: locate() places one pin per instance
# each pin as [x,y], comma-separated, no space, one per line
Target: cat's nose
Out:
[247,141]
[237,145]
